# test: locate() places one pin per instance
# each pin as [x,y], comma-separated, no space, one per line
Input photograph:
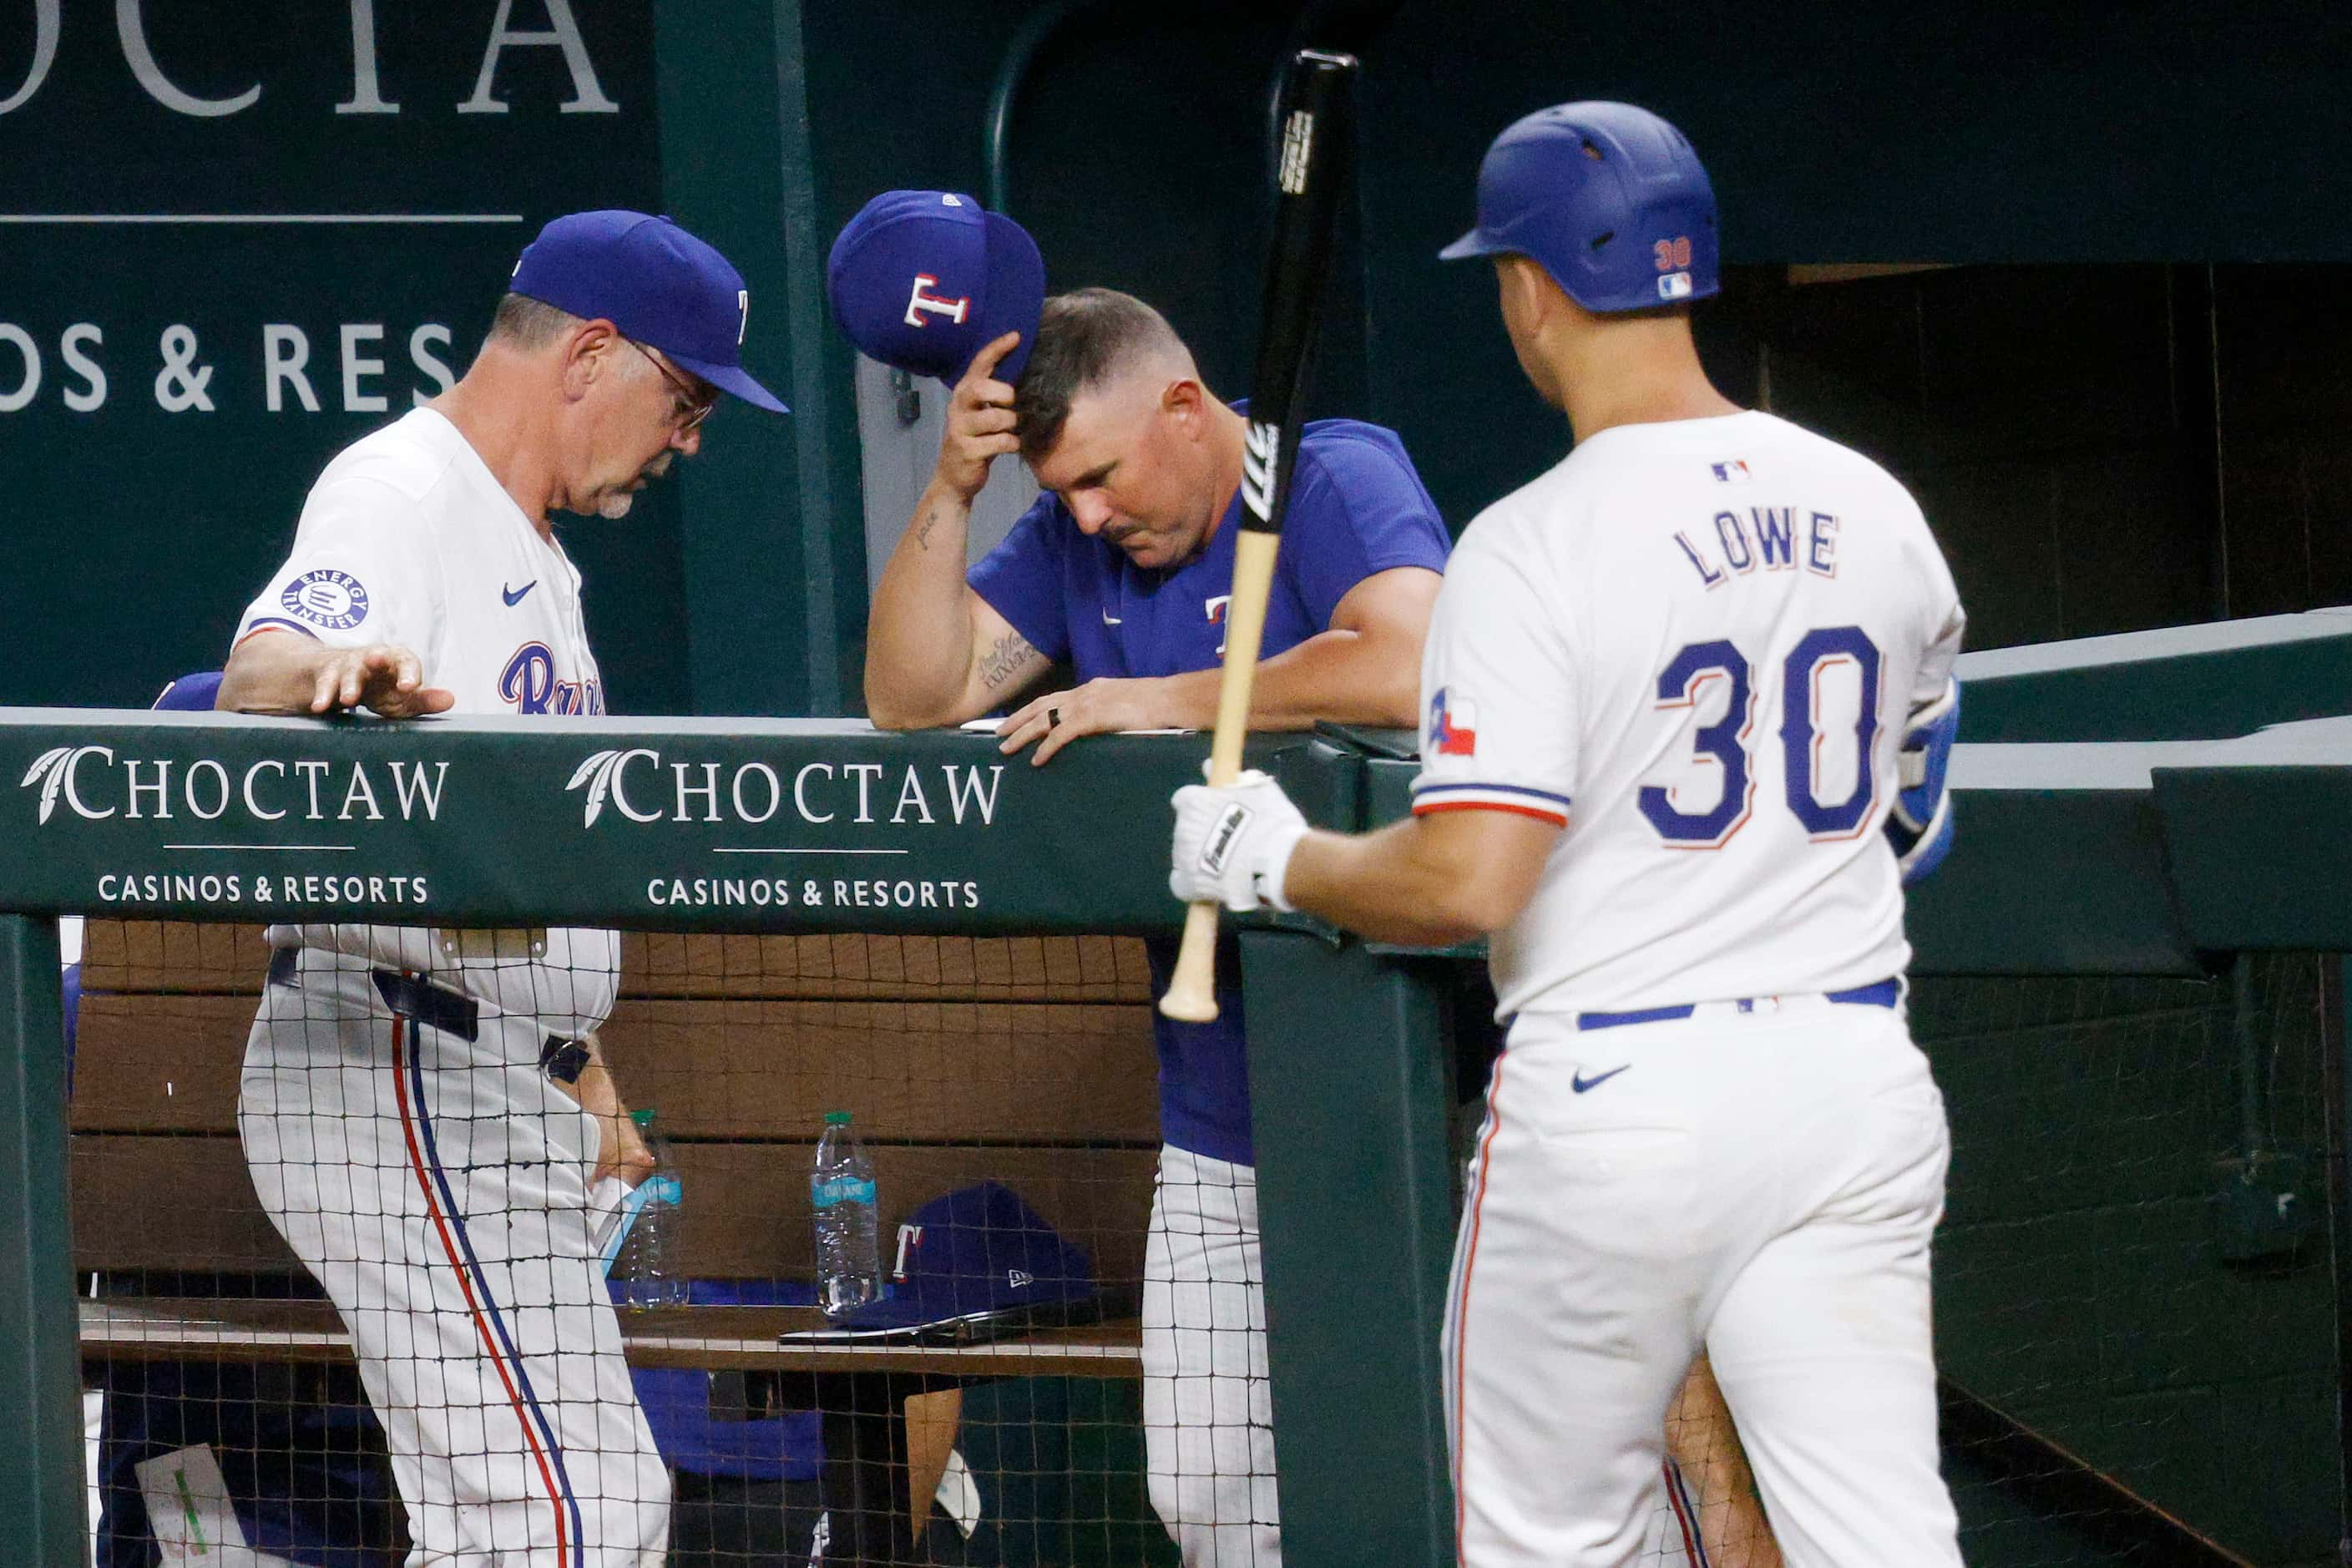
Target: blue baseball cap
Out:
[1608,198]
[923,280]
[658,284]
[976,1250]
[189,693]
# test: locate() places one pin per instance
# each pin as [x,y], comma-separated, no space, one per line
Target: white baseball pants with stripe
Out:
[1764,1185]
[437,1188]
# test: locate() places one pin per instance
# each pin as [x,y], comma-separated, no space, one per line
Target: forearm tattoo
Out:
[1003,659]
[923,529]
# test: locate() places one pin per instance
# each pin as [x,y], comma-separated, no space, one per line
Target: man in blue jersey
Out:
[1122,571]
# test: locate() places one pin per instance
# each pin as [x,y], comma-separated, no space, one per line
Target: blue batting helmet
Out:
[1608,198]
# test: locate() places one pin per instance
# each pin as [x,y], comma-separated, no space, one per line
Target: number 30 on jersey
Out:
[1829,668]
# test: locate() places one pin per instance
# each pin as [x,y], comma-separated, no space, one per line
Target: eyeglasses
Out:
[689,410]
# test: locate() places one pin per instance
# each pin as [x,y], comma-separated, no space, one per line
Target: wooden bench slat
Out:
[171,956]
[962,1072]
[180,957]
[159,1064]
[918,1071]
[187,1203]
[713,1337]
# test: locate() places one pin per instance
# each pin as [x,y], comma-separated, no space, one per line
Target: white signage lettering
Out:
[563,33]
[133,26]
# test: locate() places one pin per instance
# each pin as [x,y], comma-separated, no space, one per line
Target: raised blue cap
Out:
[655,282]
[923,280]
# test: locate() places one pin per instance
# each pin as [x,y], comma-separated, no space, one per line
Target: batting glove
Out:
[1233,845]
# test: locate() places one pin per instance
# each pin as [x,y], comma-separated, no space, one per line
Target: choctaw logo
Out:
[94,785]
[54,769]
[632,783]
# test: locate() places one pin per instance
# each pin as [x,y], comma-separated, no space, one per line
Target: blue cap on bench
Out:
[979,1250]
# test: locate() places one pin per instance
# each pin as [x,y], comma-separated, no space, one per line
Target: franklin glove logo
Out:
[1223,837]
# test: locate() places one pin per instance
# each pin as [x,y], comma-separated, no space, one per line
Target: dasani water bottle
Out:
[841,1197]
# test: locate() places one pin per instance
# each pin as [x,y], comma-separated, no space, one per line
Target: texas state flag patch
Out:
[1453,725]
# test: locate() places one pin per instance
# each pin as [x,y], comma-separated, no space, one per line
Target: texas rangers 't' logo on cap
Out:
[921,305]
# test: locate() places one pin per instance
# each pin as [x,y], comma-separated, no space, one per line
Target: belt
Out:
[1884,993]
[411,996]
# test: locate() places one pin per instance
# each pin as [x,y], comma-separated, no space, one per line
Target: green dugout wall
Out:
[326,196]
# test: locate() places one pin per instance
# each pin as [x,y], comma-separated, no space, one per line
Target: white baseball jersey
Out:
[408,538]
[421,1161]
[1696,644]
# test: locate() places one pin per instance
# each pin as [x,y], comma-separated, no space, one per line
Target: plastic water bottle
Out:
[647,1263]
[841,1197]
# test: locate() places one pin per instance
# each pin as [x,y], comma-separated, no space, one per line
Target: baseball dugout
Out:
[988,926]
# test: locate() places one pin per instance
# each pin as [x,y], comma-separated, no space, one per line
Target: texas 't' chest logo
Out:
[1215,610]
[921,305]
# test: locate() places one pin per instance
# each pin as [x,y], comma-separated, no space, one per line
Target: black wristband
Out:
[564,1060]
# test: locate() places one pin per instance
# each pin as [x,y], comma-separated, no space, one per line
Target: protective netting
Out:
[2137,1305]
[2138,1337]
[354,1252]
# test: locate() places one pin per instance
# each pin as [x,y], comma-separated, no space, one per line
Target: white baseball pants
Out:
[438,1189]
[1764,1184]
[1208,1409]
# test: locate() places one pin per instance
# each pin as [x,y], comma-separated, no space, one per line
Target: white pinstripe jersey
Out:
[1694,645]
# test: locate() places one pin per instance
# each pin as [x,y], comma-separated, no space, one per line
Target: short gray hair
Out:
[524,323]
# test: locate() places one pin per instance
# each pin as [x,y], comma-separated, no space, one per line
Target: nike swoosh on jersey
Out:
[513,597]
[1579,1082]
[1111,620]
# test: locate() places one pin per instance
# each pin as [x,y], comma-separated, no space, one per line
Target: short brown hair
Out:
[1083,337]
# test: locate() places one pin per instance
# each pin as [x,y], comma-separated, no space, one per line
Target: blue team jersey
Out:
[1356,508]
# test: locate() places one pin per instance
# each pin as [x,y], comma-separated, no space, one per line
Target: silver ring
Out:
[1052,717]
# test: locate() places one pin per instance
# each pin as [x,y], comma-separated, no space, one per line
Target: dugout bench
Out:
[1023,1060]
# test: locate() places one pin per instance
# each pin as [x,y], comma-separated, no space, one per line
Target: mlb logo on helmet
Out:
[922,280]
[1453,725]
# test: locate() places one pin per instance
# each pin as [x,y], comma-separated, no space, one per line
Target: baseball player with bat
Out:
[1686,700]
[422,1113]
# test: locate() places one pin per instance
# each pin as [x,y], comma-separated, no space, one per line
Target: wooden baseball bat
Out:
[1316,130]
